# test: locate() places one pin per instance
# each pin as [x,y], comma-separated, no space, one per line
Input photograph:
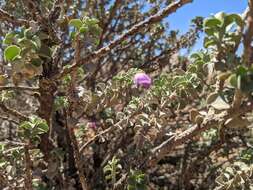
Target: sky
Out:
[181,19]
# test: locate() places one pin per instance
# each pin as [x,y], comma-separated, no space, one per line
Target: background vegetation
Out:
[94,94]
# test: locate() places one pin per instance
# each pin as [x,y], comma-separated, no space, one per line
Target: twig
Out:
[105,26]
[19,88]
[136,28]
[77,154]
[15,143]
[158,152]
[9,119]
[13,112]
[120,182]
[101,134]
[74,142]
[5,16]
[94,138]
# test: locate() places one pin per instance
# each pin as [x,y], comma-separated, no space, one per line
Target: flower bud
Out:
[143,80]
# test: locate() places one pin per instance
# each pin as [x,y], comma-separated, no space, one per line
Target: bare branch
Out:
[102,133]
[164,148]
[8,119]
[111,16]
[13,112]
[4,16]
[136,28]
[19,88]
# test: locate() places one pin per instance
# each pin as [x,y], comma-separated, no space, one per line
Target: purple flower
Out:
[143,80]
[92,125]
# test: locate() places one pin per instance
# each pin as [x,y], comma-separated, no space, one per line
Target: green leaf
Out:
[209,42]
[233,80]
[84,29]
[91,21]
[25,125]
[72,34]
[9,38]
[36,62]
[209,31]
[234,18]
[220,16]
[11,52]
[212,23]
[76,23]
[241,70]
[43,127]
[24,42]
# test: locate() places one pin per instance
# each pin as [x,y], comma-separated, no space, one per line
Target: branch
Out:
[28,165]
[9,119]
[248,35]
[77,154]
[15,113]
[5,16]
[55,11]
[105,26]
[164,148]
[19,88]
[136,28]
[104,132]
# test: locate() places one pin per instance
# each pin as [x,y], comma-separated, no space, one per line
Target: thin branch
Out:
[111,16]
[14,143]
[160,151]
[13,112]
[8,119]
[77,154]
[95,138]
[103,133]
[136,28]
[19,88]
[5,16]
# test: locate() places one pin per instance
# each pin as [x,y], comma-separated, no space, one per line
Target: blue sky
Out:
[181,19]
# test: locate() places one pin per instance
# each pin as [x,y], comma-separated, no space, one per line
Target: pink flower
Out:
[143,80]
[92,125]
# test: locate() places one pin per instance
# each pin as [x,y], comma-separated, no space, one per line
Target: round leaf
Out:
[11,52]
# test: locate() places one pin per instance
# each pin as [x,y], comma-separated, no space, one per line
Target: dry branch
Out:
[136,28]
[5,16]
[164,148]
[19,88]
[13,112]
